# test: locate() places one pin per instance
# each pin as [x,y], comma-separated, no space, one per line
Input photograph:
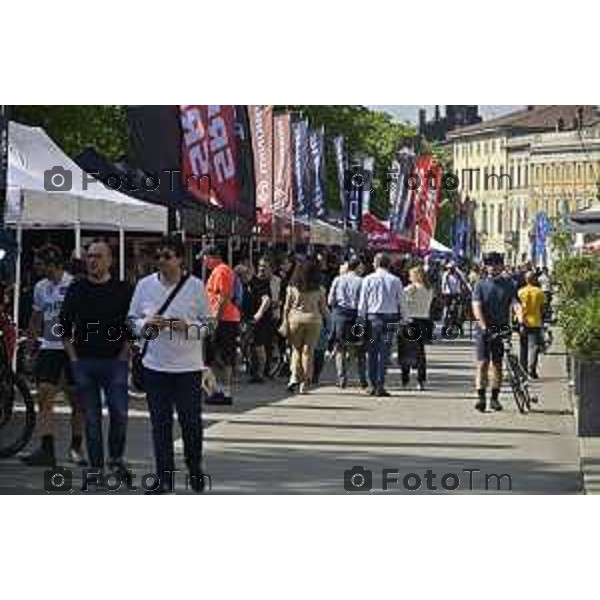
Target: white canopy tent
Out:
[85,203]
[435,246]
[325,233]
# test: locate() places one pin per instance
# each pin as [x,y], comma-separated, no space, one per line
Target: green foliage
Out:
[577,277]
[578,284]
[366,133]
[77,127]
[562,242]
[581,324]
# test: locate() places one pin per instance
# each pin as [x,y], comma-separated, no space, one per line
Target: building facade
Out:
[543,158]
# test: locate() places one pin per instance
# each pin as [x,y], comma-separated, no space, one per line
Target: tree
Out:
[75,128]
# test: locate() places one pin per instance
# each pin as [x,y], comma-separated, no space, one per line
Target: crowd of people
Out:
[184,335]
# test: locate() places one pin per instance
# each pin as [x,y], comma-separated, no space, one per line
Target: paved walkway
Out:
[273,443]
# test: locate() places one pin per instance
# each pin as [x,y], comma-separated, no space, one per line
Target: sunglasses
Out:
[165,255]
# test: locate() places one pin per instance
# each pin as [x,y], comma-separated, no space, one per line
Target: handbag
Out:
[137,367]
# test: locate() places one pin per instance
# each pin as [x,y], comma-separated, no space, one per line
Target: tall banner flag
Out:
[402,215]
[427,199]
[284,194]
[317,172]
[301,169]
[213,161]
[261,127]
[368,166]
[338,146]
[543,228]
[353,201]
[3,161]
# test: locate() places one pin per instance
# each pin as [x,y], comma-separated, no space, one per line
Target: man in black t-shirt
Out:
[494,298]
[261,319]
[94,317]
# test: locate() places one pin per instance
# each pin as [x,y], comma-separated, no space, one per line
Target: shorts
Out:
[53,367]
[225,343]
[488,349]
[263,333]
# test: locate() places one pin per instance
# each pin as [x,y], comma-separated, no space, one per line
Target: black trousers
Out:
[411,352]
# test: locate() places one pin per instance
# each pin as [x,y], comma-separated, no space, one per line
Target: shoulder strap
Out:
[166,305]
[172,295]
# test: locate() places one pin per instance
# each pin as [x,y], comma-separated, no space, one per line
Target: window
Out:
[526,175]
[492,215]
[501,179]
[477,182]
[485,178]
[579,174]
[500,218]
[519,176]
[548,174]
[484,218]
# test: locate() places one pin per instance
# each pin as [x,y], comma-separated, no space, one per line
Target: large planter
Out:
[587,378]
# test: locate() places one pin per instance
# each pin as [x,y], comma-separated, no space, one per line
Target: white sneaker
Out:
[75,457]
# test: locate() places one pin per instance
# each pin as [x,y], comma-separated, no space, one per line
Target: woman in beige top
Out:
[411,351]
[303,313]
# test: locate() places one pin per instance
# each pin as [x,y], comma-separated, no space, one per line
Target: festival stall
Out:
[48,190]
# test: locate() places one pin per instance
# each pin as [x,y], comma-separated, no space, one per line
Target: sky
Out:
[410,112]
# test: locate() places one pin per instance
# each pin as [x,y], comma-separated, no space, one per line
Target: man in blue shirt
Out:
[493,300]
[343,301]
[382,306]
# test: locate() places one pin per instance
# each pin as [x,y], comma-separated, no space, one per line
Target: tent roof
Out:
[31,154]
[587,220]
[438,247]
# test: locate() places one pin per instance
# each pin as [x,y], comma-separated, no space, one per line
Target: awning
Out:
[78,199]
[586,221]
[326,234]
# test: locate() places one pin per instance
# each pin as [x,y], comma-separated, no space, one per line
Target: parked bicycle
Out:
[17,410]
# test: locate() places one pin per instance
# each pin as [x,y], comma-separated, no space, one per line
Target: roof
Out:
[534,118]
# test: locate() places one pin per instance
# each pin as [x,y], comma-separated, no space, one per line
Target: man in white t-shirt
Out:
[53,370]
[174,360]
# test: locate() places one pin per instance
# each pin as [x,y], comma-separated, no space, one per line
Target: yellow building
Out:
[539,158]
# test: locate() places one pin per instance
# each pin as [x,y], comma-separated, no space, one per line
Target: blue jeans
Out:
[182,391]
[92,377]
[381,335]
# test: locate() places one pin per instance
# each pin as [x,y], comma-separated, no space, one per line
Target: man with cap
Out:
[220,290]
[493,300]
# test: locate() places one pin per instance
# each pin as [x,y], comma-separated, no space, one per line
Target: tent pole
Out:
[121,253]
[78,239]
[17,287]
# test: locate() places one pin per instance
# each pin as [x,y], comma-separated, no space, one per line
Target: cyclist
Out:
[493,300]
[454,289]
[53,369]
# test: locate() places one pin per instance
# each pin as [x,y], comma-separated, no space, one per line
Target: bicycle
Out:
[517,376]
[15,434]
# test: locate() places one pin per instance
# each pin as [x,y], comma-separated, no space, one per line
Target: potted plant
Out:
[578,286]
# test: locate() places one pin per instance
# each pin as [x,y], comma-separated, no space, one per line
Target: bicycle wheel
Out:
[18,421]
[515,384]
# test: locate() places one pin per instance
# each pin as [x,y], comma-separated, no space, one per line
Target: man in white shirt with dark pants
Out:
[173,361]
[382,307]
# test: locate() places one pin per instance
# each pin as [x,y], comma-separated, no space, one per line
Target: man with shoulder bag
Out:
[169,310]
